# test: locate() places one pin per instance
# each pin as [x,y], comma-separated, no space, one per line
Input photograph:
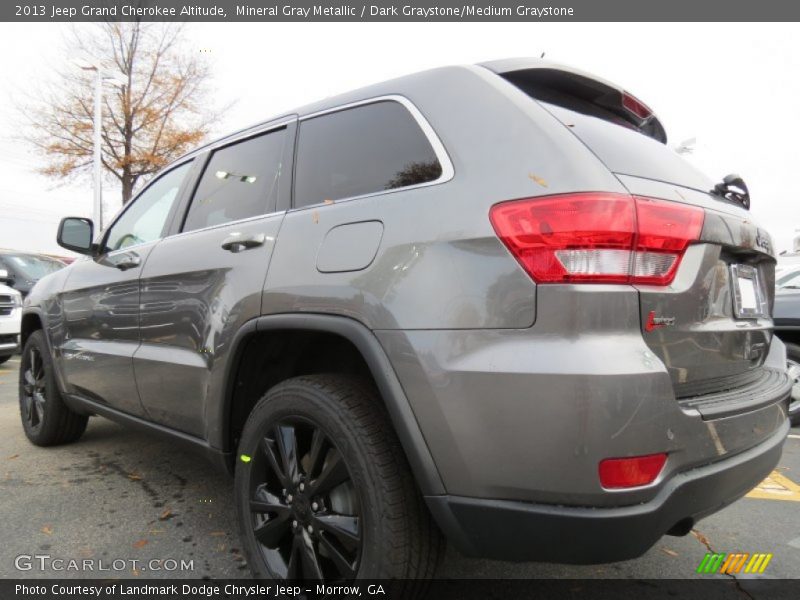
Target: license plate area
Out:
[749,299]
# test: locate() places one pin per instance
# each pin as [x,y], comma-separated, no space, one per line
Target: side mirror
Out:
[75,233]
[4,276]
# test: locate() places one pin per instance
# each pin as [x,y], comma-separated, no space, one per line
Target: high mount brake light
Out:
[636,106]
[597,237]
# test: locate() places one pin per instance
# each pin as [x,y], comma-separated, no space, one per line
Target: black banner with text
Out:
[399,10]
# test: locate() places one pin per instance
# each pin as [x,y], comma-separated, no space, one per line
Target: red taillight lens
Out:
[664,230]
[597,237]
[616,473]
[636,106]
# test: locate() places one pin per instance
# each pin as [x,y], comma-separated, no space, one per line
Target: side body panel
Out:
[195,296]
[198,290]
[439,264]
[100,329]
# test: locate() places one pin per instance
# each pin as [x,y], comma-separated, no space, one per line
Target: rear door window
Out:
[362,150]
[240,181]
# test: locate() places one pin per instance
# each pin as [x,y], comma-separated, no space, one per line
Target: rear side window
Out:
[362,150]
[240,181]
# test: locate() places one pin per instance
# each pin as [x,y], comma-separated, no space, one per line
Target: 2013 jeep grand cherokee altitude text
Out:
[486,301]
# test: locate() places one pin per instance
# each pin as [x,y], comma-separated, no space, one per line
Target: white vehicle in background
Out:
[10,318]
[787,261]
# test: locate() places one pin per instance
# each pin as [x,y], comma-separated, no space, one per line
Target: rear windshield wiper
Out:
[734,189]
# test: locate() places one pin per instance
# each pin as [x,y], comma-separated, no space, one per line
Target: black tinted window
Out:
[361,150]
[240,181]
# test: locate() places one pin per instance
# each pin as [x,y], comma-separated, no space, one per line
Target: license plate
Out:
[748,295]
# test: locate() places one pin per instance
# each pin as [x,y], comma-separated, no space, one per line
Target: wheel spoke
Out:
[345,567]
[272,531]
[268,446]
[38,403]
[30,380]
[286,439]
[343,527]
[333,473]
[293,566]
[311,568]
[267,503]
[315,453]
[27,402]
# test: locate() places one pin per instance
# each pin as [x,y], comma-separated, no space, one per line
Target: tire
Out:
[793,359]
[47,421]
[387,533]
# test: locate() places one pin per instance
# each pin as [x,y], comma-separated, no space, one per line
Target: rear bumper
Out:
[512,530]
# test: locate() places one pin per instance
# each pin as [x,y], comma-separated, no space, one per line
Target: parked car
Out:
[25,268]
[787,328]
[10,319]
[487,301]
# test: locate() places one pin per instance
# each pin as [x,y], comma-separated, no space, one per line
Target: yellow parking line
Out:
[776,487]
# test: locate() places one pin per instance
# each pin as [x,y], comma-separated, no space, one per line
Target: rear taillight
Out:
[597,237]
[616,473]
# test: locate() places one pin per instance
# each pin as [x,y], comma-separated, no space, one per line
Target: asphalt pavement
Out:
[139,505]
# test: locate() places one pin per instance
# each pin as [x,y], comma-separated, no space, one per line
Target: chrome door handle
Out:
[237,243]
[127,262]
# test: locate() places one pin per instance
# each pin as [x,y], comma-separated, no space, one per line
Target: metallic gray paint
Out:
[100,317]
[190,311]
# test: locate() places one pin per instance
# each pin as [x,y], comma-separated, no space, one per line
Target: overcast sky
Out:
[733,87]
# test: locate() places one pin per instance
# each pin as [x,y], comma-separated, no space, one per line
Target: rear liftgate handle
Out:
[236,243]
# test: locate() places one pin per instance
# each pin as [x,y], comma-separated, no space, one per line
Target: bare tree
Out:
[160,113]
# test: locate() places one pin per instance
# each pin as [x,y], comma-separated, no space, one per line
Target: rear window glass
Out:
[628,152]
[361,150]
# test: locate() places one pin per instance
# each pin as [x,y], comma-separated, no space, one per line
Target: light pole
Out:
[97,164]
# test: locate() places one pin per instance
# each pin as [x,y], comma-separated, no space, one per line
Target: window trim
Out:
[448,171]
[103,251]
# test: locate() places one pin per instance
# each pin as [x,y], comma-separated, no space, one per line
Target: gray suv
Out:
[480,301]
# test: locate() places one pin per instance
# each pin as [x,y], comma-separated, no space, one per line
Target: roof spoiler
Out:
[565,86]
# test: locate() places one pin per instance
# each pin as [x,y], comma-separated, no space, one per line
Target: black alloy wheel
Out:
[305,510]
[324,491]
[46,418]
[33,395]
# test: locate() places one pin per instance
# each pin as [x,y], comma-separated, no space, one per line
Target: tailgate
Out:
[712,326]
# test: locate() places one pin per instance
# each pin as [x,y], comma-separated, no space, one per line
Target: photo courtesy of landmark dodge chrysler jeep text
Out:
[481,301]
